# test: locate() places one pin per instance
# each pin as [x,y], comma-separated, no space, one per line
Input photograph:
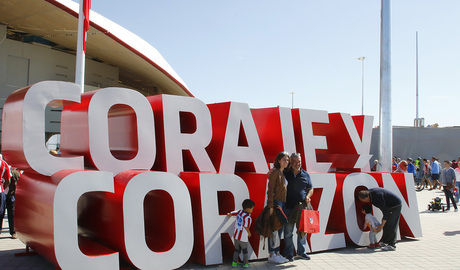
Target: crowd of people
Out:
[433,174]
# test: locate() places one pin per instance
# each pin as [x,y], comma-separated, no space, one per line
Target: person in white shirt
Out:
[372,223]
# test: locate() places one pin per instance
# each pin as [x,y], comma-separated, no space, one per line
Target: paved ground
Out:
[437,249]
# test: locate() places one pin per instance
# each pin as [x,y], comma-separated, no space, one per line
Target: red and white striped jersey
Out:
[6,173]
[243,220]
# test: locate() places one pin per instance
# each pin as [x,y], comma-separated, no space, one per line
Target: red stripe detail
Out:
[238,235]
[282,212]
[86,8]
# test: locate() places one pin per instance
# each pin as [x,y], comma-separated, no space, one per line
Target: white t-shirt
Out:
[371,220]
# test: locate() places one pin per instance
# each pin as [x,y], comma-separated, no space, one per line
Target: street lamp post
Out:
[292,99]
[362,84]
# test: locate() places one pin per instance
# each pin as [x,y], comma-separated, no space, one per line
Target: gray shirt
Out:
[447,176]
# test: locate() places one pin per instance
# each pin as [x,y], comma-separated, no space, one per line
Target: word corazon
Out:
[149,180]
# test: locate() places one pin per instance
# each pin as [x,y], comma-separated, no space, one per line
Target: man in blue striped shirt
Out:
[435,171]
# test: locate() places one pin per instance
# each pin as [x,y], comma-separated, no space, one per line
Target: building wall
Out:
[23,64]
[443,143]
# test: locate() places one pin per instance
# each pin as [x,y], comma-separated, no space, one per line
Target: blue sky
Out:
[257,52]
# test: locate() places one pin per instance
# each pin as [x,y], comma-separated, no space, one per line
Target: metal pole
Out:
[292,99]
[80,57]
[416,75]
[362,84]
[386,130]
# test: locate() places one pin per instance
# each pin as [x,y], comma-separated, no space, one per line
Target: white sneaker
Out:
[389,248]
[281,259]
[272,259]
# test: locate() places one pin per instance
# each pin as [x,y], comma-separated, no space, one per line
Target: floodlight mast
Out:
[385,125]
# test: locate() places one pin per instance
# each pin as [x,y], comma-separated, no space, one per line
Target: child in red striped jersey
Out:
[242,233]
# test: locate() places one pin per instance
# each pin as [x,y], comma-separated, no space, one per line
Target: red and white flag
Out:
[86,8]
[83,26]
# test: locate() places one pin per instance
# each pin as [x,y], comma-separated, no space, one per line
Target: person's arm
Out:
[7,175]
[7,183]
[249,232]
[272,178]
[454,177]
[310,192]
[366,224]
[233,213]
[308,197]
[380,227]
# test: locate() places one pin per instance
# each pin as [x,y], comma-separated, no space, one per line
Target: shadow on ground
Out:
[451,233]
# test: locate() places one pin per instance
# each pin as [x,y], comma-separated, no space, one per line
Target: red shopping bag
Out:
[309,221]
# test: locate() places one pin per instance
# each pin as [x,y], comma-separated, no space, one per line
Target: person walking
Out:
[435,171]
[457,181]
[10,201]
[5,182]
[448,183]
[426,175]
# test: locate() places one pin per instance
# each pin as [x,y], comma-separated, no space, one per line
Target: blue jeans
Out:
[289,243]
[372,237]
[274,240]
[2,207]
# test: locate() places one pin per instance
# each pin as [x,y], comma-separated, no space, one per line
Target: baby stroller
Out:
[436,205]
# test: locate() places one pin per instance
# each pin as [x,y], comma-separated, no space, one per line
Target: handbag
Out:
[309,221]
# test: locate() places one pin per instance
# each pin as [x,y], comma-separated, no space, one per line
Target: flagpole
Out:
[80,61]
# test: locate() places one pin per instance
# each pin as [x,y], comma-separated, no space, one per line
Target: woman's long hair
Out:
[278,158]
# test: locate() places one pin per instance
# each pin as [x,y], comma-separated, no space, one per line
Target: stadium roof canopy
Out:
[140,65]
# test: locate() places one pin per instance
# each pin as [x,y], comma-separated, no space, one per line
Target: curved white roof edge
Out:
[130,40]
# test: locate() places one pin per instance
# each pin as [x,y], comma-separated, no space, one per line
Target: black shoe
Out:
[291,259]
[304,256]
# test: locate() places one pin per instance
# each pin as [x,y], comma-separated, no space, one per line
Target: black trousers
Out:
[9,206]
[449,197]
[2,208]
[390,229]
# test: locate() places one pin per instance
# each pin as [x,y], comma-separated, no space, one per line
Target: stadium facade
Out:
[38,40]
